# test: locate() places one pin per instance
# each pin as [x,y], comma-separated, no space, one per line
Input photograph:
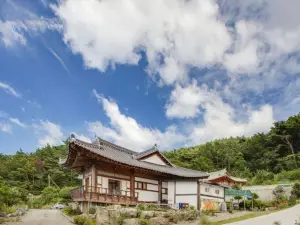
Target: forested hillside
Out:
[257,158]
[30,172]
[262,158]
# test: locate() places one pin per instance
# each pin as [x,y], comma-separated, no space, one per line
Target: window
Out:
[141,185]
[164,191]
[217,192]
[206,189]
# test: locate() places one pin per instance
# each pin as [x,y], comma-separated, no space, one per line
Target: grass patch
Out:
[245,217]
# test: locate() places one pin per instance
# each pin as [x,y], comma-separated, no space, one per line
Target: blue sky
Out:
[174,73]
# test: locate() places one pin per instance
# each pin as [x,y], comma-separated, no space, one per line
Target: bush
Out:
[35,203]
[141,207]
[79,220]
[92,210]
[65,194]
[144,222]
[230,211]
[50,195]
[71,212]
[296,190]
[121,220]
[292,200]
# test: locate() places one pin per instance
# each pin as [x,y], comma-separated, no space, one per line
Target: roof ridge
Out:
[120,148]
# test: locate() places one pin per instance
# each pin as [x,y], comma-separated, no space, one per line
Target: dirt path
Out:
[43,217]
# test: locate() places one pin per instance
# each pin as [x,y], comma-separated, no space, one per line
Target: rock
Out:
[92,216]
[190,215]
[147,214]
[133,221]
[102,216]
[113,216]
[9,215]
[128,212]
[2,214]
[115,207]
[159,221]
[159,214]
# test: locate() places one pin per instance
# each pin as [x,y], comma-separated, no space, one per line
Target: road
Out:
[285,217]
[43,217]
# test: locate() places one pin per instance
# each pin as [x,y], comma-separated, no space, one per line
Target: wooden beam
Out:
[198,195]
[159,191]
[132,184]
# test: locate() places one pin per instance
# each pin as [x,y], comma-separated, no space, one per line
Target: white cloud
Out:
[127,132]
[17,122]
[14,31]
[5,127]
[59,59]
[82,137]
[10,90]
[220,120]
[184,101]
[178,33]
[48,133]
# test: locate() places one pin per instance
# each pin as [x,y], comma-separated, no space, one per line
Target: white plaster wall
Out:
[171,192]
[165,184]
[152,187]
[186,187]
[265,192]
[146,180]
[164,197]
[191,199]
[203,198]
[104,182]
[147,196]
[212,190]
[155,159]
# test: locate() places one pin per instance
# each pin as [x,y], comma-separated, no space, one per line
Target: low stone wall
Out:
[117,215]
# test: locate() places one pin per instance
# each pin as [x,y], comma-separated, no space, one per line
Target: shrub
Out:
[92,210]
[79,220]
[296,190]
[50,195]
[141,207]
[65,194]
[144,222]
[89,222]
[71,212]
[35,203]
[230,211]
[121,220]
[292,200]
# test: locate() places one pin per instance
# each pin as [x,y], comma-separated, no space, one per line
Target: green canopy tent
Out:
[244,193]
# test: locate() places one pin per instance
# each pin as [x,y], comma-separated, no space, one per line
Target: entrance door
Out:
[114,187]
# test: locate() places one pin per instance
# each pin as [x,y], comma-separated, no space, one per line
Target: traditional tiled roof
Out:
[125,156]
[224,173]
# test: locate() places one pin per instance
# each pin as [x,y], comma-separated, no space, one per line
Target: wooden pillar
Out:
[198,195]
[132,184]
[93,177]
[159,191]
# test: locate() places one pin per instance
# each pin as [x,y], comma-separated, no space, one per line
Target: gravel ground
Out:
[43,217]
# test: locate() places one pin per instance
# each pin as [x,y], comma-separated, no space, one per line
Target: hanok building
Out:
[224,178]
[116,175]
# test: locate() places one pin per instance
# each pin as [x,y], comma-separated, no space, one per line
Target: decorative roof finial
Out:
[72,137]
[155,146]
